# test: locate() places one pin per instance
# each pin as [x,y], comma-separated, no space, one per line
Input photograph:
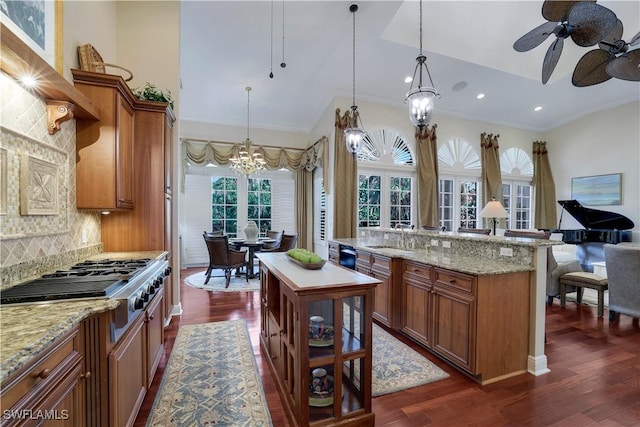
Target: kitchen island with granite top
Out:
[459,295]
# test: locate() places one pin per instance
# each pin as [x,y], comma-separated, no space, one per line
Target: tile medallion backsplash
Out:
[48,229]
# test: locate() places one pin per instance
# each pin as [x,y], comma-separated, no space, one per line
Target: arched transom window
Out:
[385,146]
[517,190]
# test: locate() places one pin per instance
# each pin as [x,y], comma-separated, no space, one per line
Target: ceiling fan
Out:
[588,24]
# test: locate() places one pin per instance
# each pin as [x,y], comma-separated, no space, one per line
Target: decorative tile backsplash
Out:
[30,243]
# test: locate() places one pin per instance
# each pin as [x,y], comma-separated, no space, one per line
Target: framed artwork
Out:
[38,187]
[597,190]
[34,22]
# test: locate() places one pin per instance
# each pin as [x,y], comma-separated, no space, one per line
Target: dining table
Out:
[252,247]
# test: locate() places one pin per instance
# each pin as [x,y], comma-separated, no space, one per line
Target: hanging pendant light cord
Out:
[248,96]
[271,69]
[353,104]
[283,64]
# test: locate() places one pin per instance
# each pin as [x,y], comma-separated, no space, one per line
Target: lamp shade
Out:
[494,209]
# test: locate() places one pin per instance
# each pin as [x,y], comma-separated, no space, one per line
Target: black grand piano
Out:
[600,227]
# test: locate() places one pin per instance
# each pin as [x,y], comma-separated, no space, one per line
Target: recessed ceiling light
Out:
[480,96]
[538,108]
[408,79]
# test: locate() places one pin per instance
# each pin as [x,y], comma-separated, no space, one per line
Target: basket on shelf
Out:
[90,60]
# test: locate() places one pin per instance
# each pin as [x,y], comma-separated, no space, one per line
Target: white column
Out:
[537,362]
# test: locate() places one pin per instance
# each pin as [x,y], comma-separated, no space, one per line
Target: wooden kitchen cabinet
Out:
[105,158]
[127,375]
[49,390]
[339,354]
[387,270]
[416,297]
[477,323]
[154,323]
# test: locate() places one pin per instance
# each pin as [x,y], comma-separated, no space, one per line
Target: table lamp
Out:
[494,210]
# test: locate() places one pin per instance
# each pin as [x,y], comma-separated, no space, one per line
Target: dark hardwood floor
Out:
[594,378]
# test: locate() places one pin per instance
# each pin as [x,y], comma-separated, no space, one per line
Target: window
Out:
[517,190]
[385,181]
[459,186]
[400,200]
[369,200]
[259,203]
[224,204]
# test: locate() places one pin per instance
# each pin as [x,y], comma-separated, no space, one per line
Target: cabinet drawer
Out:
[417,272]
[381,263]
[52,364]
[455,280]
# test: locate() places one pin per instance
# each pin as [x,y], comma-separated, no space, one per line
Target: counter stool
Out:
[583,280]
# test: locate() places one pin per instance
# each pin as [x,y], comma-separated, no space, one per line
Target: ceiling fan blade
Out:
[613,36]
[626,66]
[534,37]
[635,40]
[558,11]
[590,69]
[551,59]
[591,23]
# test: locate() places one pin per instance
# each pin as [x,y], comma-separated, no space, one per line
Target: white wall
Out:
[597,144]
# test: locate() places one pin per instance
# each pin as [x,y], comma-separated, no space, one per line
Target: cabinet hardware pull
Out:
[273,335]
[452,281]
[43,374]
[86,375]
[274,357]
[151,317]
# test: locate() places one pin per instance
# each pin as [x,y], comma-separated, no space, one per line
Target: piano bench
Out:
[583,280]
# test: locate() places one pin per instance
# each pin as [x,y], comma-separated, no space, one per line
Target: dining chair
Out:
[223,257]
[276,236]
[485,231]
[288,242]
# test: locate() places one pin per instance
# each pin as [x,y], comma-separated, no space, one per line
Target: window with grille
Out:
[224,205]
[386,169]
[517,190]
[459,184]
[259,203]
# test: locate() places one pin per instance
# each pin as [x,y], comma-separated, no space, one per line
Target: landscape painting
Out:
[34,22]
[597,190]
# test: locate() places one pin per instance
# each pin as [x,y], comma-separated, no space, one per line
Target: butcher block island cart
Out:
[315,328]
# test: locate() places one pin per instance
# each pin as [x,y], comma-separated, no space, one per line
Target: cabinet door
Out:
[382,298]
[417,300]
[454,326]
[127,375]
[124,153]
[155,336]
[65,404]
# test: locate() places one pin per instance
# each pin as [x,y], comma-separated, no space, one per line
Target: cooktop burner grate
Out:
[46,290]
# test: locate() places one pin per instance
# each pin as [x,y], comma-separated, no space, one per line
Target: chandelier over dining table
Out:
[248,161]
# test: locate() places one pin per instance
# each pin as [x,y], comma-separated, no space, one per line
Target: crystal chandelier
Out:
[247,161]
[354,134]
[421,99]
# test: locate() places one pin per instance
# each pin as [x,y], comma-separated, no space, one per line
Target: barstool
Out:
[583,280]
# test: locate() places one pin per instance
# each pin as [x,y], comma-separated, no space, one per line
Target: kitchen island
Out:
[316,329]
[462,296]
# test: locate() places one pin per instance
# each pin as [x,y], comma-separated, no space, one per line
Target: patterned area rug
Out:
[396,366]
[211,379]
[237,284]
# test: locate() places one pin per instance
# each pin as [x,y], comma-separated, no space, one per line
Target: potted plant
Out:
[151,93]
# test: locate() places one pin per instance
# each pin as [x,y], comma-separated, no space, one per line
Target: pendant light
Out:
[354,135]
[421,99]
[248,162]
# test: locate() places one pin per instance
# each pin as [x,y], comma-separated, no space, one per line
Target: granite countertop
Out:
[464,264]
[27,329]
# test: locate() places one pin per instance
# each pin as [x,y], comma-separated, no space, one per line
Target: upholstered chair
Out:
[221,256]
[623,273]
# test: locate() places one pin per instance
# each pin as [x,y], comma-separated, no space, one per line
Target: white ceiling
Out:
[226,46]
